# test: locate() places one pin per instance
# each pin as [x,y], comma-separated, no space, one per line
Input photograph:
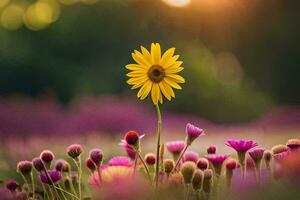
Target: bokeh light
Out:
[12,17]
[3,3]
[177,3]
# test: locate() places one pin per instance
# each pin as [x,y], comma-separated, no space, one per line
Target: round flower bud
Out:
[211,150]
[74,150]
[192,132]
[293,144]
[169,165]
[231,164]
[207,180]
[90,165]
[267,156]
[12,185]
[277,149]
[54,175]
[38,164]
[47,156]
[202,163]
[96,156]
[24,167]
[132,138]
[150,159]
[187,170]
[66,168]
[59,164]
[197,180]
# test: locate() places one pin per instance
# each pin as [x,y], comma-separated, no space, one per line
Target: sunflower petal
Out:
[164,91]
[139,58]
[146,54]
[172,83]
[148,87]
[156,53]
[155,93]
[171,61]
[168,89]
[176,78]
[174,70]
[135,67]
[167,55]
[137,80]
[136,73]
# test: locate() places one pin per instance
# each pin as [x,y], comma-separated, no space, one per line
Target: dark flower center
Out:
[156,73]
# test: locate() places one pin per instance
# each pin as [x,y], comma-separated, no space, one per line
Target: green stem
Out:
[145,166]
[33,187]
[159,124]
[62,190]
[180,156]
[78,165]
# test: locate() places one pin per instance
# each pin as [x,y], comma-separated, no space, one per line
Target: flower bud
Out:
[197,180]
[230,166]
[293,144]
[47,157]
[211,150]
[66,168]
[96,156]
[38,164]
[132,138]
[207,180]
[267,157]
[74,150]
[202,163]
[187,170]
[192,132]
[169,165]
[54,176]
[90,165]
[59,164]
[256,154]
[12,185]
[150,159]
[25,168]
[280,148]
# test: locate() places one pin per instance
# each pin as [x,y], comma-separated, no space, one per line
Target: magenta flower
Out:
[293,144]
[257,154]
[120,161]
[192,132]
[54,175]
[190,156]
[131,153]
[175,147]
[241,146]
[217,159]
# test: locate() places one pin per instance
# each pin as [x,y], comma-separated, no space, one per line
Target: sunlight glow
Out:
[177,3]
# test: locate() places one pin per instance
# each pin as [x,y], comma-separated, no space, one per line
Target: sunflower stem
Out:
[159,124]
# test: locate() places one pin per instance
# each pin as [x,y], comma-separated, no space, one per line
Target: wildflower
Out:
[187,170]
[175,148]
[192,132]
[257,155]
[54,175]
[155,72]
[90,165]
[120,161]
[96,155]
[150,159]
[47,157]
[25,168]
[38,164]
[207,181]
[66,168]
[190,156]
[293,144]
[197,180]
[202,163]
[241,147]
[74,150]
[217,161]
[132,138]
[169,166]
[280,152]
[211,150]
[12,185]
[131,153]
[59,164]
[267,157]
[230,166]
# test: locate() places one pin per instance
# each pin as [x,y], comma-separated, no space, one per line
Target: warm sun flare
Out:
[177,3]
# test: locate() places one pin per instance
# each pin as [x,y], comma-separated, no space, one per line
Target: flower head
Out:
[90,165]
[96,155]
[169,165]
[47,156]
[207,180]
[280,152]
[190,156]
[54,175]
[132,138]
[59,164]
[197,179]
[175,147]
[150,159]
[38,164]
[120,161]
[257,154]
[293,144]
[211,150]
[131,153]
[12,185]
[155,73]
[187,170]
[241,146]
[202,163]
[231,164]
[24,167]
[74,150]
[217,159]
[192,132]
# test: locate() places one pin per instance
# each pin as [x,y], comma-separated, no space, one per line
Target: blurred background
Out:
[62,63]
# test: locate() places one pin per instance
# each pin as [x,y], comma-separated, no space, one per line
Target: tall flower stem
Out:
[78,165]
[159,124]
[145,166]
[180,156]
[33,187]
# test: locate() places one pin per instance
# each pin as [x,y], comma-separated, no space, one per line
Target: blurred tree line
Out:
[241,57]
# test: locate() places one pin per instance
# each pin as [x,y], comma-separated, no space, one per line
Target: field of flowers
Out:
[150,155]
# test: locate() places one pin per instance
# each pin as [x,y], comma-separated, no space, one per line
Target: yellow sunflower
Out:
[155,73]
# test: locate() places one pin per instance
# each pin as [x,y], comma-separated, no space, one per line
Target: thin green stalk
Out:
[159,124]
[78,165]
[180,156]
[45,192]
[62,190]
[64,196]
[33,187]
[145,166]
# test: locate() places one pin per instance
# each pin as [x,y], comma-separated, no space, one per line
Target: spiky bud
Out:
[197,180]
[96,155]
[90,165]
[150,159]
[25,168]
[207,180]
[202,163]
[38,164]
[59,164]
[211,150]
[74,150]
[169,165]
[47,157]
[12,185]
[187,170]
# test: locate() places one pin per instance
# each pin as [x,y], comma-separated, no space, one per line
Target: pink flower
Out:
[175,147]
[120,161]
[129,149]
[257,154]
[241,146]
[192,132]
[217,159]
[190,156]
